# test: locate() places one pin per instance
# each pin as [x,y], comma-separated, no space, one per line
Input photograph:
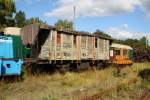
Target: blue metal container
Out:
[8,65]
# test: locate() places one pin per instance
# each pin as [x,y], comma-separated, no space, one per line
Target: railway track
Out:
[106,92]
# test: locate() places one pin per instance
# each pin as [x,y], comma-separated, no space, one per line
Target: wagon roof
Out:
[76,32]
[30,32]
[115,45]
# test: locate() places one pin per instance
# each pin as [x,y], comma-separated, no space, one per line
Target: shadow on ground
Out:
[145,74]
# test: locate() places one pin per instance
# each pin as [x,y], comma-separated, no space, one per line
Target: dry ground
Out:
[73,86]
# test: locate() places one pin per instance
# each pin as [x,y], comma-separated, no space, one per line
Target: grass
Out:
[72,86]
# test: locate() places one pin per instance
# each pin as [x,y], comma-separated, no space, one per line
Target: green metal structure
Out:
[20,51]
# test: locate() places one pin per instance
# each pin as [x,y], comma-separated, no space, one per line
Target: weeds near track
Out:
[72,86]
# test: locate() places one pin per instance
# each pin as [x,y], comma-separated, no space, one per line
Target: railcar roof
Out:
[115,45]
[30,32]
[68,31]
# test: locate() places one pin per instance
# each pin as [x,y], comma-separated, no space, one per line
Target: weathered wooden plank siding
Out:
[44,53]
[101,54]
[61,46]
[90,47]
[96,48]
[78,50]
[52,49]
[84,49]
[48,48]
[103,49]
[67,47]
[76,47]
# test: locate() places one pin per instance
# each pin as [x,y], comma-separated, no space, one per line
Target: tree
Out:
[141,43]
[100,33]
[34,20]
[65,24]
[7,8]
[20,19]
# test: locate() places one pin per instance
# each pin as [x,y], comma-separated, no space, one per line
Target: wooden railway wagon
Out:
[64,47]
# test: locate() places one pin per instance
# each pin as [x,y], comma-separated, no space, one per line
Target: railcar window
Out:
[58,38]
[96,42]
[75,40]
[125,52]
[117,52]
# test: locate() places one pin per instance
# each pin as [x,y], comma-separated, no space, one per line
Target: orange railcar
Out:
[121,54]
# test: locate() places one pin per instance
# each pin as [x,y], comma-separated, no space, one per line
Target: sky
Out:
[121,19]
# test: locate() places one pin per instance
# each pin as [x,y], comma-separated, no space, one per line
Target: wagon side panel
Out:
[52,45]
[90,47]
[84,52]
[45,48]
[103,49]
[96,48]
[67,47]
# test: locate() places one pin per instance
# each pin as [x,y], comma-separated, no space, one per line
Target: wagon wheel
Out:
[63,68]
[28,69]
[75,67]
[93,65]
[99,66]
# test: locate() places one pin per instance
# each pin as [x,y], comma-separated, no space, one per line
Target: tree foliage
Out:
[141,43]
[34,20]
[7,8]
[20,19]
[101,33]
[65,24]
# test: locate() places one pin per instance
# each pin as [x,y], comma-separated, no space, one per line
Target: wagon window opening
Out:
[74,40]
[58,38]
[95,42]
[117,52]
[125,52]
